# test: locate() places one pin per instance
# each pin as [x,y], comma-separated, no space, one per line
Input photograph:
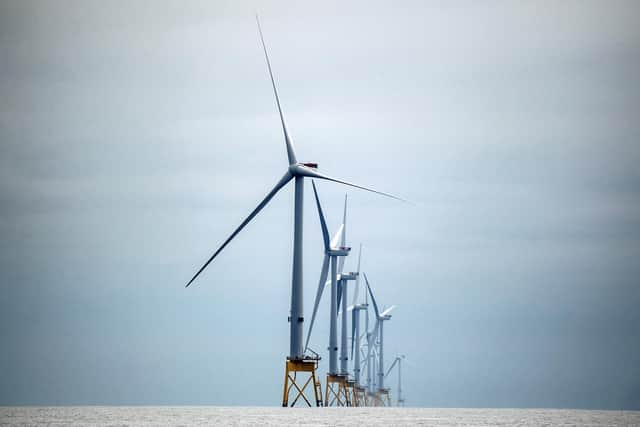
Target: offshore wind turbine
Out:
[398,361]
[295,171]
[342,281]
[380,319]
[370,379]
[371,342]
[355,351]
[333,253]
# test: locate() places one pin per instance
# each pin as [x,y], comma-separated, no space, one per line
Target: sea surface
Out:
[240,416]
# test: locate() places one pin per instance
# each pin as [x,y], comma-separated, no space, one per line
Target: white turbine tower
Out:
[343,279]
[296,171]
[342,298]
[355,340]
[355,309]
[370,343]
[380,319]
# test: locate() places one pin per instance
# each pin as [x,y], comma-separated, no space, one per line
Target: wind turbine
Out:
[342,281]
[295,171]
[332,253]
[335,254]
[359,390]
[380,319]
[398,361]
[370,342]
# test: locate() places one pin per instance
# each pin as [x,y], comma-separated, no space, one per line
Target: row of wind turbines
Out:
[343,387]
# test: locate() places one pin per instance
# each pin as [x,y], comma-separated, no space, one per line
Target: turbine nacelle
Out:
[302,169]
[339,251]
[385,315]
[359,307]
[349,276]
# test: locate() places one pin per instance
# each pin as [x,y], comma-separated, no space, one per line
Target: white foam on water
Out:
[275,416]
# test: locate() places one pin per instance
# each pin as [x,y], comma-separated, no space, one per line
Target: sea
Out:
[277,416]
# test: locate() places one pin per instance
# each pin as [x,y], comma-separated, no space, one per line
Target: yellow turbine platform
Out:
[352,397]
[307,365]
[336,393]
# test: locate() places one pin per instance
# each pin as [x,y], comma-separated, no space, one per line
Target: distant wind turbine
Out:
[333,253]
[398,361]
[380,319]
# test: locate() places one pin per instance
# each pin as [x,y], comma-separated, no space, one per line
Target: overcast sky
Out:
[135,137]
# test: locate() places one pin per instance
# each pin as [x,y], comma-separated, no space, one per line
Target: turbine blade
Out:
[357,286]
[328,282]
[366,301]
[323,278]
[374,334]
[343,241]
[305,171]
[283,181]
[291,154]
[391,367]
[373,300]
[344,221]
[335,239]
[323,223]
[339,293]
[387,311]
